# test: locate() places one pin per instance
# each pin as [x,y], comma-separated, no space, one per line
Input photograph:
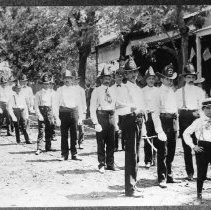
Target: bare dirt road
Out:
[27,180]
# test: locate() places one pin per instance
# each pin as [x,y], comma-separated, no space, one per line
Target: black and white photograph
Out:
[105,105]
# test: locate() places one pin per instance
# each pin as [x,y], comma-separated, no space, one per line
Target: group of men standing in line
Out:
[158,113]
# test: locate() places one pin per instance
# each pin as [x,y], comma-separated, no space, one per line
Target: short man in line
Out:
[150,92]
[202,129]
[189,100]
[84,108]
[18,111]
[133,112]
[5,94]
[165,120]
[102,107]
[70,112]
[45,107]
[121,100]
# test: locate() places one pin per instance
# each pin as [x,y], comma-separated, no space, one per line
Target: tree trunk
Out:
[84,52]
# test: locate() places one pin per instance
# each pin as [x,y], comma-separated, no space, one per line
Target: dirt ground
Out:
[28,180]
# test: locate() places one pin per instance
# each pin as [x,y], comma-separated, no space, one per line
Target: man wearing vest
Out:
[18,111]
[189,99]
[102,108]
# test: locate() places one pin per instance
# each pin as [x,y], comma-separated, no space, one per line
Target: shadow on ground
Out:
[143,183]
[94,196]
[23,152]
[117,187]
[40,161]
[77,171]
[87,153]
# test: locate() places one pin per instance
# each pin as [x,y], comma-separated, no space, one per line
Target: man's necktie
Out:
[108,96]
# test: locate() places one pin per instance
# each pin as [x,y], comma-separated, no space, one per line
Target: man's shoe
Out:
[102,169]
[74,157]
[135,194]
[38,152]
[173,181]
[111,168]
[147,165]
[9,134]
[190,177]
[163,184]
[28,142]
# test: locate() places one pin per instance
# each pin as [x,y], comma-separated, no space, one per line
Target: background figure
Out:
[5,94]
[82,96]
[45,102]
[18,110]
[150,92]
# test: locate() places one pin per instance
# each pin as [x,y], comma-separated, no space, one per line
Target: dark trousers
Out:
[131,134]
[166,149]
[118,135]
[80,134]
[21,123]
[105,138]
[46,127]
[185,119]
[5,115]
[69,121]
[148,151]
[202,161]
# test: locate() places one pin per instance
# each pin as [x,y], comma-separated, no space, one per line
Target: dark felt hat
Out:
[168,72]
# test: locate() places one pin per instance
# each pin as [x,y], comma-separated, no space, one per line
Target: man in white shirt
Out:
[189,99]
[70,113]
[121,99]
[202,129]
[45,108]
[102,106]
[149,92]
[132,111]
[166,125]
[84,108]
[18,111]
[5,94]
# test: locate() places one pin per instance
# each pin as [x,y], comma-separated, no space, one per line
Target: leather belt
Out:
[169,115]
[105,112]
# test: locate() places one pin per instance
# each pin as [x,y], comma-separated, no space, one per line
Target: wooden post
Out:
[198,53]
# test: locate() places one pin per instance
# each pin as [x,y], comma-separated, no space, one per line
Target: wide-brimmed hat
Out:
[168,72]
[199,80]
[17,86]
[23,78]
[206,102]
[3,80]
[45,79]
[68,74]
[149,72]
[130,65]
[189,70]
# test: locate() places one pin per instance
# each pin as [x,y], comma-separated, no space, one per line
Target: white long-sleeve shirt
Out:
[98,101]
[202,129]
[149,94]
[5,94]
[69,97]
[193,97]
[45,98]
[29,96]
[164,102]
[17,101]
